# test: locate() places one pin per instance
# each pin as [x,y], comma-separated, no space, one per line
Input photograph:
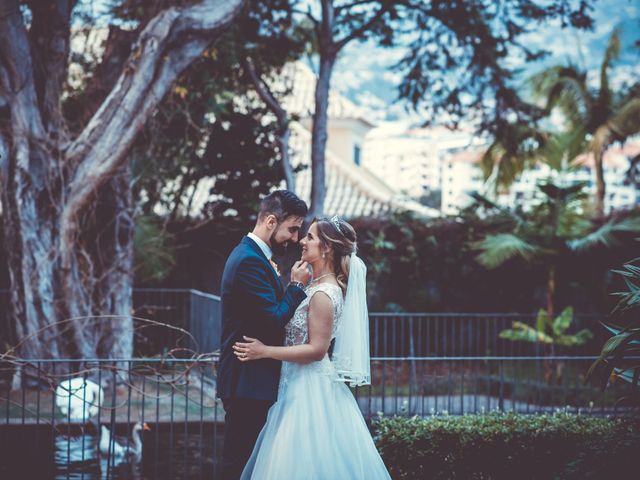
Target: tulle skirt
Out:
[314,431]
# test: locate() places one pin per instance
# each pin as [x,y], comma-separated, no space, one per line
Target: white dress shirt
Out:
[266,249]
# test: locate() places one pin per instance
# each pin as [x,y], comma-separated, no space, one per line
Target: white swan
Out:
[118,449]
[79,398]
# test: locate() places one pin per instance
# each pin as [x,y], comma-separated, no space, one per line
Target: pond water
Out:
[169,452]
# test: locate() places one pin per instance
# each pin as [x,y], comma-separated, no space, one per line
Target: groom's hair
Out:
[282,204]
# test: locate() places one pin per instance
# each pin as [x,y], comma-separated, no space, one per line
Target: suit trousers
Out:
[243,421]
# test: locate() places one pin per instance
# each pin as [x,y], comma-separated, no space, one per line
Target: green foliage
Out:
[547,331]
[498,249]
[470,41]
[432,267]
[210,128]
[555,229]
[621,353]
[594,119]
[507,446]
[154,251]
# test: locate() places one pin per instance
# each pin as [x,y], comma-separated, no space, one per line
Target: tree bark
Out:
[598,160]
[551,292]
[67,204]
[328,55]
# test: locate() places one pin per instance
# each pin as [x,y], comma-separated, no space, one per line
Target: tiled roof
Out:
[352,191]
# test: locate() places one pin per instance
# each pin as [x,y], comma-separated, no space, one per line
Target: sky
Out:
[364,72]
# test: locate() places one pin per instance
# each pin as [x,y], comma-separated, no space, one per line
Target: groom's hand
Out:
[300,272]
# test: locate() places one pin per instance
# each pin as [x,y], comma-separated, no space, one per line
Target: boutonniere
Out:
[275,266]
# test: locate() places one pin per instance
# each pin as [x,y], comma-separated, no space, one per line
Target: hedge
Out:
[509,446]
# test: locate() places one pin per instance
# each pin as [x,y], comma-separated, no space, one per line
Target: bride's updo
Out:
[340,238]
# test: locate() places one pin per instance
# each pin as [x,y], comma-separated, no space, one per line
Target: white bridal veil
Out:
[351,350]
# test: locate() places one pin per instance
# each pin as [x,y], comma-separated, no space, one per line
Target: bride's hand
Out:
[252,349]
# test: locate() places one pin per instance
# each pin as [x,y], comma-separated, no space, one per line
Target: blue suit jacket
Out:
[254,304]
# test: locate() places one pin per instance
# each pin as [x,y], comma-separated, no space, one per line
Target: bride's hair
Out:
[340,237]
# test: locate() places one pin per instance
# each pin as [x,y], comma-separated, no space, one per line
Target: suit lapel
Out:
[268,265]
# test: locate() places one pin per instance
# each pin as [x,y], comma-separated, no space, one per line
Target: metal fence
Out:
[155,311]
[51,422]
[83,425]
[50,426]
[395,335]
[191,310]
[468,334]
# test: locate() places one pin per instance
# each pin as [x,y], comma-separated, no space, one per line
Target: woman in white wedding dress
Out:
[316,430]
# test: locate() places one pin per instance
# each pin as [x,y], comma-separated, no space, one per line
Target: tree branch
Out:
[282,118]
[49,36]
[307,13]
[18,85]
[167,45]
[362,29]
[116,53]
[265,92]
[348,6]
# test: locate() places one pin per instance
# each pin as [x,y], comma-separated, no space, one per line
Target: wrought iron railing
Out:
[50,424]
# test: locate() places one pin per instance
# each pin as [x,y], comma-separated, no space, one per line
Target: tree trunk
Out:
[598,166]
[329,47]
[551,291]
[319,136]
[328,53]
[67,202]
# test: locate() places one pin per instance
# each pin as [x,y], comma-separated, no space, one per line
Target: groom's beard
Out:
[278,248]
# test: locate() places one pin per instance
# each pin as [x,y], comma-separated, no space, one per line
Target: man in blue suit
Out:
[255,304]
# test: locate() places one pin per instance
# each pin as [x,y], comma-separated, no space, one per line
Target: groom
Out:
[255,304]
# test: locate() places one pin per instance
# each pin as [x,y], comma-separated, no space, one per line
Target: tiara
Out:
[336,221]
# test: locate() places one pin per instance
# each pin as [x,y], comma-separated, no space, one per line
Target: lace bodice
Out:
[297,330]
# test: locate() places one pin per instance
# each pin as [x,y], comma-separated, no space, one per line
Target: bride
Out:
[315,430]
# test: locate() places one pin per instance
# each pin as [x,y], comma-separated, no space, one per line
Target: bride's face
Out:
[311,247]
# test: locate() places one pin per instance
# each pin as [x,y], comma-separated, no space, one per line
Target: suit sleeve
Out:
[261,298]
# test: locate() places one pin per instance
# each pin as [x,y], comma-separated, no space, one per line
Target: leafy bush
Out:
[507,446]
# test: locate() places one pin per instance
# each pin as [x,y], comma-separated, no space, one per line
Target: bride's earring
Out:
[324,254]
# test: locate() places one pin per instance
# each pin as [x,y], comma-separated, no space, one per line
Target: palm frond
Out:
[520,331]
[491,205]
[606,234]
[563,321]
[580,338]
[500,248]
[513,150]
[563,146]
[561,193]
[628,375]
[626,120]
[631,276]
[543,322]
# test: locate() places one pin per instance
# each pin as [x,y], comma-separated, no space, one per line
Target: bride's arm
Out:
[320,323]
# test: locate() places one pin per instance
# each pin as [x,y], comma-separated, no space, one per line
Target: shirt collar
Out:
[263,246]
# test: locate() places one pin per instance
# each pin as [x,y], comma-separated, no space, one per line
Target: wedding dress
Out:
[315,430]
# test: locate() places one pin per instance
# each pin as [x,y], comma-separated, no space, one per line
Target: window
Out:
[356,154]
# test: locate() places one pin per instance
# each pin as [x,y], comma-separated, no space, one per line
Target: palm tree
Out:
[554,228]
[597,118]
[521,146]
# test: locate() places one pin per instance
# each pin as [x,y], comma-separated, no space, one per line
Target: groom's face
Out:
[285,233]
